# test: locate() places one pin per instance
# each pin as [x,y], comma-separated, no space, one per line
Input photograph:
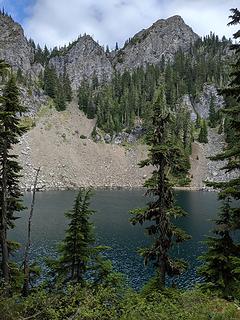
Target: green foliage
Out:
[221,268]
[57,87]
[41,55]
[213,116]
[85,100]
[79,258]
[165,157]
[75,251]
[117,303]
[10,194]
[203,135]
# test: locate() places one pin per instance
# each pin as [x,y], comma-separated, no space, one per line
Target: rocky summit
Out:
[14,47]
[150,46]
[83,59]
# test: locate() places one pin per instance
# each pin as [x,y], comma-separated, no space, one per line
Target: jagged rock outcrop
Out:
[14,47]
[86,58]
[83,60]
[32,100]
[187,104]
[148,46]
[202,105]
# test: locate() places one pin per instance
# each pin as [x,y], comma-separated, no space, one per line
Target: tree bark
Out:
[162,274]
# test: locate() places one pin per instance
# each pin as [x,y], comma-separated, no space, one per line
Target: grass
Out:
[28,122]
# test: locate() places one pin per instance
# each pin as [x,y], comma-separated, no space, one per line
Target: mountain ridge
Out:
[85,58]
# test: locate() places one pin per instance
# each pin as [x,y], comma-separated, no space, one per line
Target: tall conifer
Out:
[164,156]
[10,195]
[222,260]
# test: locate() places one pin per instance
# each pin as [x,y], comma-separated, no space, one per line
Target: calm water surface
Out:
[112,228]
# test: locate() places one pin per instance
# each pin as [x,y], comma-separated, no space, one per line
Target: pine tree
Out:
[10,195]
[50,82]
[203,135]
[67,86]
[198,122]
[84,96]
[164,156]
[77,248]
[222,259]
[213,117]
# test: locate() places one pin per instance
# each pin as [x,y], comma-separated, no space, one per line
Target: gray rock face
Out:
[163,38]
[85,59]
[107,138]
[32,100]
[187,104]
[202,106]
[14,47]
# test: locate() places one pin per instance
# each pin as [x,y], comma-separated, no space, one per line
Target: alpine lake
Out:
[112,228]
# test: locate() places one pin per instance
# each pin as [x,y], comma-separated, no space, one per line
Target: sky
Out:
[58,22]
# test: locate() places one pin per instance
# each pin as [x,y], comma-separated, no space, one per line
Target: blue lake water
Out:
[112,228]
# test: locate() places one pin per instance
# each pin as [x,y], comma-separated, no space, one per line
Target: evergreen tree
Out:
[59,97]
[66,86]
[50,82]
[213,117]
[10,195]
[203,135]
[222,260]
[77,248]
[84,96]
[164,156]
[198,122]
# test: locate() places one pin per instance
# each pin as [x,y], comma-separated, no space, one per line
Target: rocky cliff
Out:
[163,38]
[201,105]
[86,58]
[83,60]
[14,47]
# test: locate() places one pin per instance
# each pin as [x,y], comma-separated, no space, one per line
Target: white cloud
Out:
[57,22]
[205,15]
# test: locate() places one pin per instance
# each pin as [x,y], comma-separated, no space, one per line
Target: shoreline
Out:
[187,188]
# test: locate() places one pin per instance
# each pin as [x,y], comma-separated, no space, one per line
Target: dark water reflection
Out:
[113,229]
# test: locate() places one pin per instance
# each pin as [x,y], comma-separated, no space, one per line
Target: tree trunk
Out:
[26,272]
[3,231]
[162,274]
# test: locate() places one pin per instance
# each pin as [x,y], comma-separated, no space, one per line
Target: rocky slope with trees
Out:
[116,90]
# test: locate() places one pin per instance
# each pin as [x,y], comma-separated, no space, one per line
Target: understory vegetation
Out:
[117,303]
